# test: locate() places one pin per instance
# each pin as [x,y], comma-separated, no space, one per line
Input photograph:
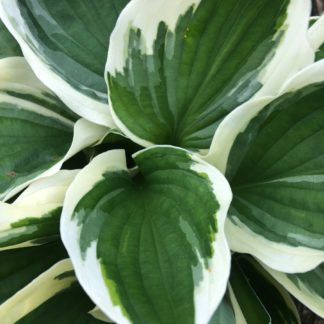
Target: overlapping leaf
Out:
[173,77]
[37,131]
[276,168]
[54,296]
[148,244]
[33,218]
[66,44]
[21,266]
[306,287]
[256,297]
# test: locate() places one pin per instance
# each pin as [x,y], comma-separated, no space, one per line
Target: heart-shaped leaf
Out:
[148,243]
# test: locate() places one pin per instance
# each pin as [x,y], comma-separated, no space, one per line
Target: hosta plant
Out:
[161,161]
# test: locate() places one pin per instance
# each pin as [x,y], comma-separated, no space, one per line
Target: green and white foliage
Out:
[37,131]
[148,244]
[256,297]
[316,36]
[170,84]
[19,267]
[306,287]
[66,43]
[33,218]
[52,297]
[209,138]
[274,163]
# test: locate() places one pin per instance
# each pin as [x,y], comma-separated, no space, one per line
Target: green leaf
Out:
[148,243]
[224,313]
[9,46]
[248,307]
[275,300]
[53,297]
[20,266]
[276,168]
[37,131]
[70,305]
[173,79]
[306,287]
[33,218]
[66,44]
[254,297]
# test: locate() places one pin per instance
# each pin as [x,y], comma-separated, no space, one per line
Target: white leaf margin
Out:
[99,315]
[278,256]
[16,74]
[40,198]
[85,134]
[42,288]
[211,289]
[293,54]
[301,292]
[81,104]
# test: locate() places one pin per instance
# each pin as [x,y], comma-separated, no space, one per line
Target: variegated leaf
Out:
[19,267]
[37,131]
[147,244]
[275,168]
[34,217]
[174,77]
[66,44]
[307,287]
[52,297]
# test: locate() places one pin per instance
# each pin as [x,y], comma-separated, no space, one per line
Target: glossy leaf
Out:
[33,218]
[37,131]
[307,287]
[275,168]
[66,44]
[174,77]
[148,244]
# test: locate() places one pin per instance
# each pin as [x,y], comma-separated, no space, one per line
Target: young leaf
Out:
[174,77]
[37,131]
[33,218]
[276,168]
[66,44]
[306,287]
[148,243]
